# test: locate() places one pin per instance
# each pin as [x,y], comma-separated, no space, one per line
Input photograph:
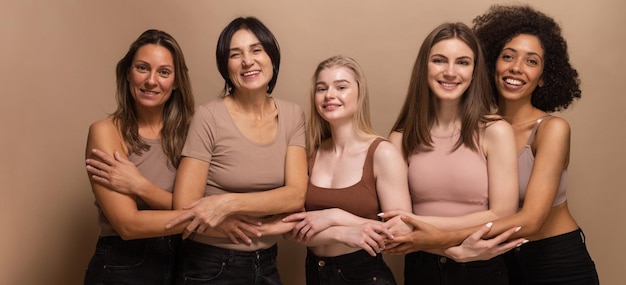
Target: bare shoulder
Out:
[553,129]
[105,135]
[395,138]
[386,153]
[497,128]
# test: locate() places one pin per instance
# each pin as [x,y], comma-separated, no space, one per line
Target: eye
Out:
[438,60]
[257,50]
[235,55]
[342,87]
[507,57]
[165,72]
[320,89]
[532,61]
[464,62]
[141,67]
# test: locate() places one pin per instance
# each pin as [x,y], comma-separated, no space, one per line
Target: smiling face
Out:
[519,67]
[151,76]
[336,94]
[450,68]
[249,66]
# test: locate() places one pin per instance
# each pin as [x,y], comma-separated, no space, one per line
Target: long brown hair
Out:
[177,111]
[318,129]
[418,113]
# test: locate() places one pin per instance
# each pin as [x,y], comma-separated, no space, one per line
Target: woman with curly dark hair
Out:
[532,77]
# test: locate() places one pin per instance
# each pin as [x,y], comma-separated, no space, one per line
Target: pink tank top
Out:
[445,183]
[526,161]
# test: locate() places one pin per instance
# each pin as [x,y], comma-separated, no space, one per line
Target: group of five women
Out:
[455,187]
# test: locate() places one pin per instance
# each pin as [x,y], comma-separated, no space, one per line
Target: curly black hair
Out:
[500,24]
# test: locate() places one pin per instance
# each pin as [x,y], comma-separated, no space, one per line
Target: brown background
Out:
[57,74]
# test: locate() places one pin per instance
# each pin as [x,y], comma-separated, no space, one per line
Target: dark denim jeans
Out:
[353,268]
[431,269]
[207,264]
[561,259]
[140,261]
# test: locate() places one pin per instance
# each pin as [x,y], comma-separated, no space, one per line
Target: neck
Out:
[249,102]
[344,139]
[519,113]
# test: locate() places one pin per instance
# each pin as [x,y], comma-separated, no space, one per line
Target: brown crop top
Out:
[360,199]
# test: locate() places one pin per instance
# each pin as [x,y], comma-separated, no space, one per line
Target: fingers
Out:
[478,234]
[505,235]
[103,156]
[389,214]
[180,219]
[294,217]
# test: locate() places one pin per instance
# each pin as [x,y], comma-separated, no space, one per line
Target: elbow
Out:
[127,232]
[297,200]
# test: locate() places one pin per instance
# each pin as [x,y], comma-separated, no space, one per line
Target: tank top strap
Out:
[534,131]
[368,165]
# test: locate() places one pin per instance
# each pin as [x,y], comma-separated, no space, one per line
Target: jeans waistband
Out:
[563,240]
[204,248]
[358,255]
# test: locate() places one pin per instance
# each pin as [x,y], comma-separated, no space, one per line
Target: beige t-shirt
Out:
[154,165]
[238,165]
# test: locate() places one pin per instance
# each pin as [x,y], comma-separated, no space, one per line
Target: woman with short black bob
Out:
[528,59]
[244,159]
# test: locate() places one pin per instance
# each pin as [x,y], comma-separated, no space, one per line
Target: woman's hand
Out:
[240,227]
[423,236]
[207,212]
[369,236]
[307,224]
[475,247]
[116,173]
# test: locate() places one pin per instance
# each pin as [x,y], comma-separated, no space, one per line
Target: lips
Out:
[331,107]
[448,85]
[513,81]
[149,93]
[250,73]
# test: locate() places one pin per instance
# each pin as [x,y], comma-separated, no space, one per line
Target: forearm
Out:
[155,197]
[460,222]
[285,199]
[147,224]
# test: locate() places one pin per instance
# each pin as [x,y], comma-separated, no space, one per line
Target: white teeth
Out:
[250,73]
[448,84]
[513,81]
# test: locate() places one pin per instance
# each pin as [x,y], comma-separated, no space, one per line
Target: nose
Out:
[152,78]
[246,59]
[330,94]
[450,71]
[516,66]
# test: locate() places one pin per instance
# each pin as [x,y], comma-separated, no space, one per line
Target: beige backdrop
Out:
[57,71]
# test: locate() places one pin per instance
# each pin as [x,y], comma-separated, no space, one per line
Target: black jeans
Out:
[207,264]
[140,261]
[353,268]
[431,269]
[561,259]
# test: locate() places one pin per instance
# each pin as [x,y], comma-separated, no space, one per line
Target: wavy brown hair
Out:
[177,111]
[418,113]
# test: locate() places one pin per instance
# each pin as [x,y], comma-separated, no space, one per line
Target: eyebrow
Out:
[530,53]
[462,57]
[336,81]
[147,63]
[251,46]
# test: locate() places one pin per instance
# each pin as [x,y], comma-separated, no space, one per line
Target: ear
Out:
[540,84]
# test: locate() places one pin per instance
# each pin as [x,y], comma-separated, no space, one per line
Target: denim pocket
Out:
[125,255]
